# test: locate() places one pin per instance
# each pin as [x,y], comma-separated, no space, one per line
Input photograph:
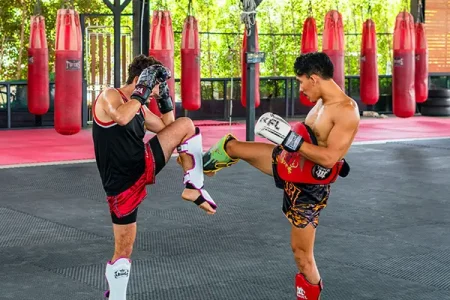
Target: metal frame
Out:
[287,95]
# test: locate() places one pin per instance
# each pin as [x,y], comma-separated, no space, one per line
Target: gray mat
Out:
[384,235]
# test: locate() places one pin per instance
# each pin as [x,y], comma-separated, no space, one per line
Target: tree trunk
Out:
[22,40]
[209,48]
[2,48]
[274,59]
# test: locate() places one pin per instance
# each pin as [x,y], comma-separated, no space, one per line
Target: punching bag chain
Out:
[37,8]
[310,8]
[248,15]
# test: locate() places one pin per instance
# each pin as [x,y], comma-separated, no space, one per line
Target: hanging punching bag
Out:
[190,65]
[421,72]
[38,83]
[161,48]
[333,44]
[368,84]
[309,44]
[403,93]
[68,82]
[244,71]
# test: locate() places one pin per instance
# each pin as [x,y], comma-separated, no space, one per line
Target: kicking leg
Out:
[183,133]
[228,151]
[259,155]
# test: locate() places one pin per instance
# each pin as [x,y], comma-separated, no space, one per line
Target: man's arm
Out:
[168,118]
[120,112]
[338,142]
[153,123]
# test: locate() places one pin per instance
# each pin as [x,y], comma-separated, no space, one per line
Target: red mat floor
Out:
[45,145]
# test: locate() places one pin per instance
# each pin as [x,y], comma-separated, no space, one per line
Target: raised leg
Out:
[257,154]
[183,131]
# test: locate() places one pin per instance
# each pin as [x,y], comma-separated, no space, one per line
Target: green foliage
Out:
[221,53]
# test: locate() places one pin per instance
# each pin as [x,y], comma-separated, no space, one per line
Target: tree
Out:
[220,52]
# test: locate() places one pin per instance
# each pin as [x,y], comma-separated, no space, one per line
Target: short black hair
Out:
[138,65]
[317,63]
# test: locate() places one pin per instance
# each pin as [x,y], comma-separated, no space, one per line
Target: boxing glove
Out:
[147,81]
[164,100]
[278,131]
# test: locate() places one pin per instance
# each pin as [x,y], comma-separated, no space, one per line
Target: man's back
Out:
[119,150]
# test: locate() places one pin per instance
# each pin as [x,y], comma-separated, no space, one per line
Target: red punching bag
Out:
[161,48]
[244,71]
[38,83]
[368,84]
[403,93]
[190,65]
[333,44]
[309,44]
[68,82]
[421,52]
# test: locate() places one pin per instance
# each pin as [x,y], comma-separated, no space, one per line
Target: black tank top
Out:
[119,151]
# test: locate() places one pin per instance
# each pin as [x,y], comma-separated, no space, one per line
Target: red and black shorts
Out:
[123,207]
[302,203]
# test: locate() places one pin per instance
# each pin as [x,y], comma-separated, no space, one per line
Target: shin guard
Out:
[194,178]
[117,274]
[305,290]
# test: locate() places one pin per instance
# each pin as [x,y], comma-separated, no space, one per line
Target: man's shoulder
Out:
[351,103]
[348,110]
[109,91]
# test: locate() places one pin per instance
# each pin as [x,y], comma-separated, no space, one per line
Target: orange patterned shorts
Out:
[302,203]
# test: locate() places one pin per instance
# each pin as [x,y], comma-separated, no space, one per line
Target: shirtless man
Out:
[304,162]
[126,165]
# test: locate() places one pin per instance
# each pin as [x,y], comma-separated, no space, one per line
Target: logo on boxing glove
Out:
[271,122]
[139,90]
[320,173]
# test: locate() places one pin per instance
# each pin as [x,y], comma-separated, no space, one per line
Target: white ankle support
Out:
[117,275]
[194,147]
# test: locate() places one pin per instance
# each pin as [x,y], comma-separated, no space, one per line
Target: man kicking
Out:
[304,161]
[126,165]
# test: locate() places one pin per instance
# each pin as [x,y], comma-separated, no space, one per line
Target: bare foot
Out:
[210,174]
[192,195]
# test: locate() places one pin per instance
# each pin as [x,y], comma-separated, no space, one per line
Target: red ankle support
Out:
[305,290]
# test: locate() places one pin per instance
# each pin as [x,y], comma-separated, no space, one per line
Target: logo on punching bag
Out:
[72,65]
[30,60]
[398,61]
[362,58]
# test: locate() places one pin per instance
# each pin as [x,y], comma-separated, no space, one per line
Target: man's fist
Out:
[278,131]
[148,79]
[164,100]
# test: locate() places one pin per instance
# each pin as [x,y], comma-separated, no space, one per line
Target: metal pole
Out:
[251,77]
[8,105]
[117,9]
[145,28]
[286,98]
[84,107]
[137,5]
[116,13]
[250,92]
[292,96]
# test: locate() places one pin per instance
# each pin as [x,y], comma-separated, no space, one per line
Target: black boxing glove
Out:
[147,81]
[164,100]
